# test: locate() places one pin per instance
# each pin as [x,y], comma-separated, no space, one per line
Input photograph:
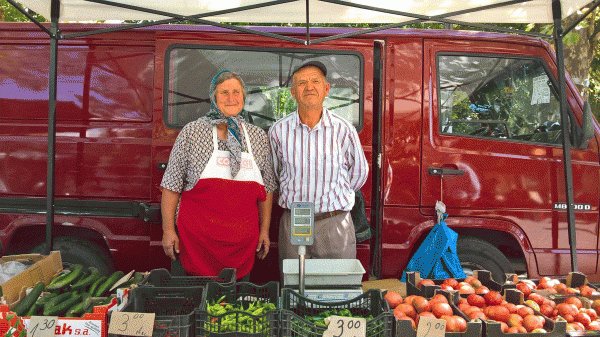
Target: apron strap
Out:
[248,145]
[214,137]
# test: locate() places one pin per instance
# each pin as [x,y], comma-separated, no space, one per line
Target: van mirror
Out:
[587,129]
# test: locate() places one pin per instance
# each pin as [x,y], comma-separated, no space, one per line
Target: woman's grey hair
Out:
[227,75]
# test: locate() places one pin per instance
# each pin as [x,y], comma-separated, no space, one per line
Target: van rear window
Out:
[497,97]
[267,75]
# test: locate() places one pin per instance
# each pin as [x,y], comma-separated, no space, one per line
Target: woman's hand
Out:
[263,245]
[170,243]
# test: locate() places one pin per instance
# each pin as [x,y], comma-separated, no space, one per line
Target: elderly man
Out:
[318,158]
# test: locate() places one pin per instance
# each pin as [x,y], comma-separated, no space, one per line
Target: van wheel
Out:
[78,251]
[477,254]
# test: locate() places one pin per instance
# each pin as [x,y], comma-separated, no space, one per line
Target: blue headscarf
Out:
[216,116]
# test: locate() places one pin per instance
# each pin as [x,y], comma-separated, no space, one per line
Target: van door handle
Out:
[162,166]
[441,171]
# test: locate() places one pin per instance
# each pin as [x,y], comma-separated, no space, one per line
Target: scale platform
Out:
[322,294]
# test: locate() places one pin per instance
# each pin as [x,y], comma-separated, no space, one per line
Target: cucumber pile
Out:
[71,293]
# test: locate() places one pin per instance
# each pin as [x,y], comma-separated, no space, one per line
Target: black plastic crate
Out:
[174,307]
[162,278]
[232,322]
[295,308]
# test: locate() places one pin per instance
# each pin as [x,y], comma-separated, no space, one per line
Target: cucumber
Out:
[59,277]
[45,298]
[78,309]
[87,280]
[34,310]
[105,286]
[137,278]
[70,277]
[27,302]
[95,285]
[60,308]
[56,299]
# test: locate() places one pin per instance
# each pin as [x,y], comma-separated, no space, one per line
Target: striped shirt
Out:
[324,165]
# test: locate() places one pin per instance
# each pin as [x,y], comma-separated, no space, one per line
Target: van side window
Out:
[497,97]
[266,73]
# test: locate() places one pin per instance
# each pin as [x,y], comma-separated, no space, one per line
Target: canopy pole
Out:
[558,36]
[307,42]
[52,80]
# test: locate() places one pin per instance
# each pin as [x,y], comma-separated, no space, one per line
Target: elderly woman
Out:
[220,173]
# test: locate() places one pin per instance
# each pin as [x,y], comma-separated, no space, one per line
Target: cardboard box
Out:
[386,284]
[43,269]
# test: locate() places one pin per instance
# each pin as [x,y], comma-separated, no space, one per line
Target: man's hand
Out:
[263,245]
[170,243]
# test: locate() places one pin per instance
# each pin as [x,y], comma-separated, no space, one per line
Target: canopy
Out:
[324,11]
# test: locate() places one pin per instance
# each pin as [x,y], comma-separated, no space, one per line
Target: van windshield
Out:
[267,76]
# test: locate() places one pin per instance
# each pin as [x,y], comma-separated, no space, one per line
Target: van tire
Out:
[477,254]
[79,251]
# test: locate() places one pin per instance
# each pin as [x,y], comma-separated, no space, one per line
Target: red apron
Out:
[218,219]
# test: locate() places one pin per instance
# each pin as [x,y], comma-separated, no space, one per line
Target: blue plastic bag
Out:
[437,257]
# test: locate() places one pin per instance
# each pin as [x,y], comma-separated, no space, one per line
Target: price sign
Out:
[131,323]
[345,327]
[41,326]
[431,327]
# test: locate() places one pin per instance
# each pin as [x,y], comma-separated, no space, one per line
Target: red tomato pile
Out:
[413,307]
[513,318]
[470,285]
[571,309]
[554,286]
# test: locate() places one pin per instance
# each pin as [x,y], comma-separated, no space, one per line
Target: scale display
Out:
[303,223]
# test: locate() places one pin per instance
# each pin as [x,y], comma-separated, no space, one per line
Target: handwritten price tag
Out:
[41,326]
[431,327]
[345,327]
[131,323]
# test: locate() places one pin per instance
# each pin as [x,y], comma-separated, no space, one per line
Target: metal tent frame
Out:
[559,33]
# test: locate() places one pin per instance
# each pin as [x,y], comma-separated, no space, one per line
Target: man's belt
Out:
[326,215]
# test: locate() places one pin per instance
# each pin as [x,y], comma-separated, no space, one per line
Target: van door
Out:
[186,64]
[492,152]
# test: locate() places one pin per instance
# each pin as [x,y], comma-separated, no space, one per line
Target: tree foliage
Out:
[9,13]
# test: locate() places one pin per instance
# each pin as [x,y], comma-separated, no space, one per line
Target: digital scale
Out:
[303,223]
[302,234]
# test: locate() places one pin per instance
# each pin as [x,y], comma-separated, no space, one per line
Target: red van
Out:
[471,119]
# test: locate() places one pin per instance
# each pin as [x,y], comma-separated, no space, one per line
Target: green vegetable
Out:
[87,280]
[28,301]
[228,317]
[60,308]
[59,277]
[45,297]
[78,309]
[56,300]
[34,310]
[95,285]
[104,287]
[70,277]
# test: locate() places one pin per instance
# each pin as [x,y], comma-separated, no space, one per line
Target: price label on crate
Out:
[431,327]
[131,323]
[345,327]
[41,326]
